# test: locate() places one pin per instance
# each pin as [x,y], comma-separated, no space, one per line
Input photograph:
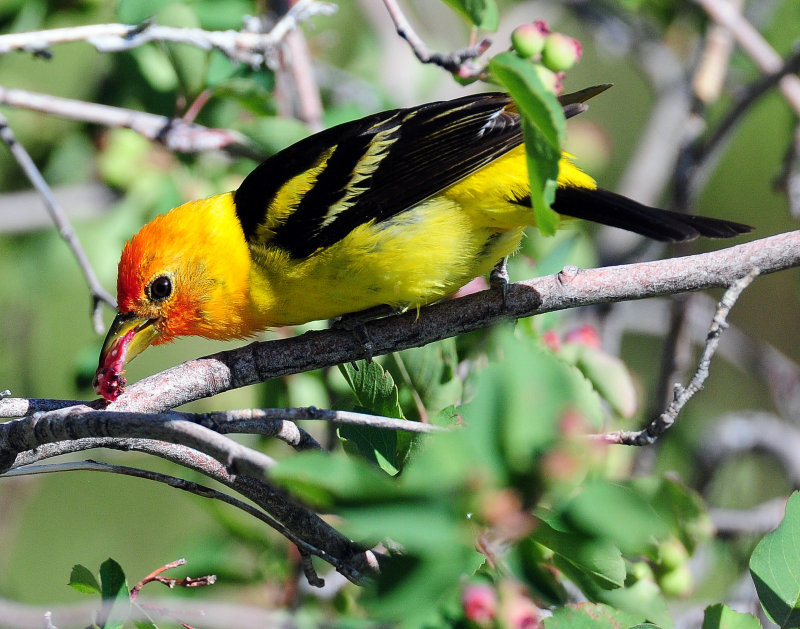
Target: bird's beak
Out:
[127,337]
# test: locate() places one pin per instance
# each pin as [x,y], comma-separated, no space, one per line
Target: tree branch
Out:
[247,46]
[755,45]
[570,288]
[174,133]
[681,394]
[65,229]
[458,62]
[296,522]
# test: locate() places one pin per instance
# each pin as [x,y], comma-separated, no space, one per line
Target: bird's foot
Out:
[498,278]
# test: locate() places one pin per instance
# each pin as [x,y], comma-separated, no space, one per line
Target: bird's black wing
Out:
[372,169]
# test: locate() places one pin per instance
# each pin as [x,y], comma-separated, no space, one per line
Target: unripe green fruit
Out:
[673,554]
[560,52]
[528,39]
[548,78]
[677,582]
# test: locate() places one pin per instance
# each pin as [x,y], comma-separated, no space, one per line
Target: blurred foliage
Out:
[515,511]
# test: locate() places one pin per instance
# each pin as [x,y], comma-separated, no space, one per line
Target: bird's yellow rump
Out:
[402,208]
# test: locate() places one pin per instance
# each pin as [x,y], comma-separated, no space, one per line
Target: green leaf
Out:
[376,445]
[522,398]
[643,598]
[596,559]
[590,616]
[544,128]
[82,580]
[373,387]
[437,551]
[326,479]
[619,513]
[376,393]
[431,372]
[723,617]
[482,13]
[609,376]
[112,580]
[680,507]
[775,568]
[116,595]
[136,11]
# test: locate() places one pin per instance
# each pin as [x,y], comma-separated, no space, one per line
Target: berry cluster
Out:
[551,52]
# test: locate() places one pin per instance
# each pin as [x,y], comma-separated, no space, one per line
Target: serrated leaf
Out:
[373,387]
[775,568]
[590,616]
[376,393]
[378,446]
[82,580]
[544,128]
[482,13]
[723,617]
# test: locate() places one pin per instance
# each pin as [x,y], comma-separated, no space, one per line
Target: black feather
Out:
[608,208]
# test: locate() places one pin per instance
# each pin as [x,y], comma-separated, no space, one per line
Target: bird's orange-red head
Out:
[185,273]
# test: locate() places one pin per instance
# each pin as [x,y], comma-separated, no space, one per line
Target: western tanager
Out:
[402,208]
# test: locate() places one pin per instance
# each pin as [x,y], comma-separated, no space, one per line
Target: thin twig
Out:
[681,394]
[459,62]
[295,522]
[186,582]
[755,45]
[247,46]
[65,230]
[124,470]
[789,179]
[174,133]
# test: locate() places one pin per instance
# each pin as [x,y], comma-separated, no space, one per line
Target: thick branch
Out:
[570,288]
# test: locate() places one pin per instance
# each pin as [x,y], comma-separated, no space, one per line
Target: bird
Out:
[400,208]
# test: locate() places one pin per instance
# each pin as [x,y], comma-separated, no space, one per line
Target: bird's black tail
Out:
[607,208]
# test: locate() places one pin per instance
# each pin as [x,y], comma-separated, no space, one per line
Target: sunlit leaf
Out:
[775,568]
[82,580]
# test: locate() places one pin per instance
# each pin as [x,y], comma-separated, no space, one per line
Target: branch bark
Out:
[570,288]
[249,46]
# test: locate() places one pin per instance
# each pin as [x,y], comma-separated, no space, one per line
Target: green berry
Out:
[528,39]
[677,582]
[549,79]
[560,52]
[672,554]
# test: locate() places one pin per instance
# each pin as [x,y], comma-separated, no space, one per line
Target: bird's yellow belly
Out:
[413,259]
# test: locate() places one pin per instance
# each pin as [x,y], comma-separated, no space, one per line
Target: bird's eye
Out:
[160,288]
